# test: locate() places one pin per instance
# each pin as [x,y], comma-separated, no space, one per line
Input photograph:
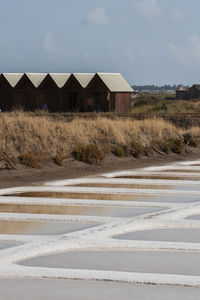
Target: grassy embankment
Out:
[33,140]
[164,103]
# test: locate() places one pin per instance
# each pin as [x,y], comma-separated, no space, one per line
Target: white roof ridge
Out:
[12,73]
[83,73]
[108,73]
[35,73]
[59,73]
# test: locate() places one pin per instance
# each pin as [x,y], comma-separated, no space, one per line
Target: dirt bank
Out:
[71,168]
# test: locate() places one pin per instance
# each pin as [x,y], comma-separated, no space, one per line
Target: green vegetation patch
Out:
[137,150]
[118,151]
[90,154]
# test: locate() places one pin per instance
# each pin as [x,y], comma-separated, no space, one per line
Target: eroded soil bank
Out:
[71,168]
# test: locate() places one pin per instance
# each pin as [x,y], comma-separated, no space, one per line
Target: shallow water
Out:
[4,245]
[164,235]
[40,228]
[130,261]
[141,186]
[110,258]
[126,186]
[77,210]
[110,197]
[159,177]
[16,289]
[115,197]
[182,171]
[194,217]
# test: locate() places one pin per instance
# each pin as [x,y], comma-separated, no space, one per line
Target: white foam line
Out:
[98,275]
[79,190]
[82,202]
[123,181]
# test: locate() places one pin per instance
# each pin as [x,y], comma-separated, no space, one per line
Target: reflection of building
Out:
[181,92]
[77,92]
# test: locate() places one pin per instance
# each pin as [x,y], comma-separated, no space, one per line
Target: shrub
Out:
[29,160]
[118,151]
[137,150]
[90,154]
[190,140]
[165,147]
[58,160]
[176,145]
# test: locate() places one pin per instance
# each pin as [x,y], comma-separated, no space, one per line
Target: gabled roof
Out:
[83,78]
[60,78]
[115,82]
[181,88]
[12,78]
[36,78]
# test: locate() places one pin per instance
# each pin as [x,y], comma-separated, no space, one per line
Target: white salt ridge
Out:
[91,190]
[127,181]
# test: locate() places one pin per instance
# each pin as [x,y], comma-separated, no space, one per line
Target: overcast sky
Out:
[148,41]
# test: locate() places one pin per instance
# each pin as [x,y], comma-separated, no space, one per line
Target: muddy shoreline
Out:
[21,175]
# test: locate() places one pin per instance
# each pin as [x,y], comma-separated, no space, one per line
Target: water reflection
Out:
[111,197]
[40,228]
[159,177]
[77,210]
[182,171]
[115,197]
[126,186]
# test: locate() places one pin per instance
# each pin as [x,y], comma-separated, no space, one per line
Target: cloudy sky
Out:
[148,41]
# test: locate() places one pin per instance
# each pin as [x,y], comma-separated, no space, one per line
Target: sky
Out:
[148,41]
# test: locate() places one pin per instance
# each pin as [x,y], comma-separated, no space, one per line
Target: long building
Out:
[65,92]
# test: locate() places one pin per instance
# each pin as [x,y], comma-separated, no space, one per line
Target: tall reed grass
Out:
[21,133]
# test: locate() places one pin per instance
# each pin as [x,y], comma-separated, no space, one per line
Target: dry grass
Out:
[43,137]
